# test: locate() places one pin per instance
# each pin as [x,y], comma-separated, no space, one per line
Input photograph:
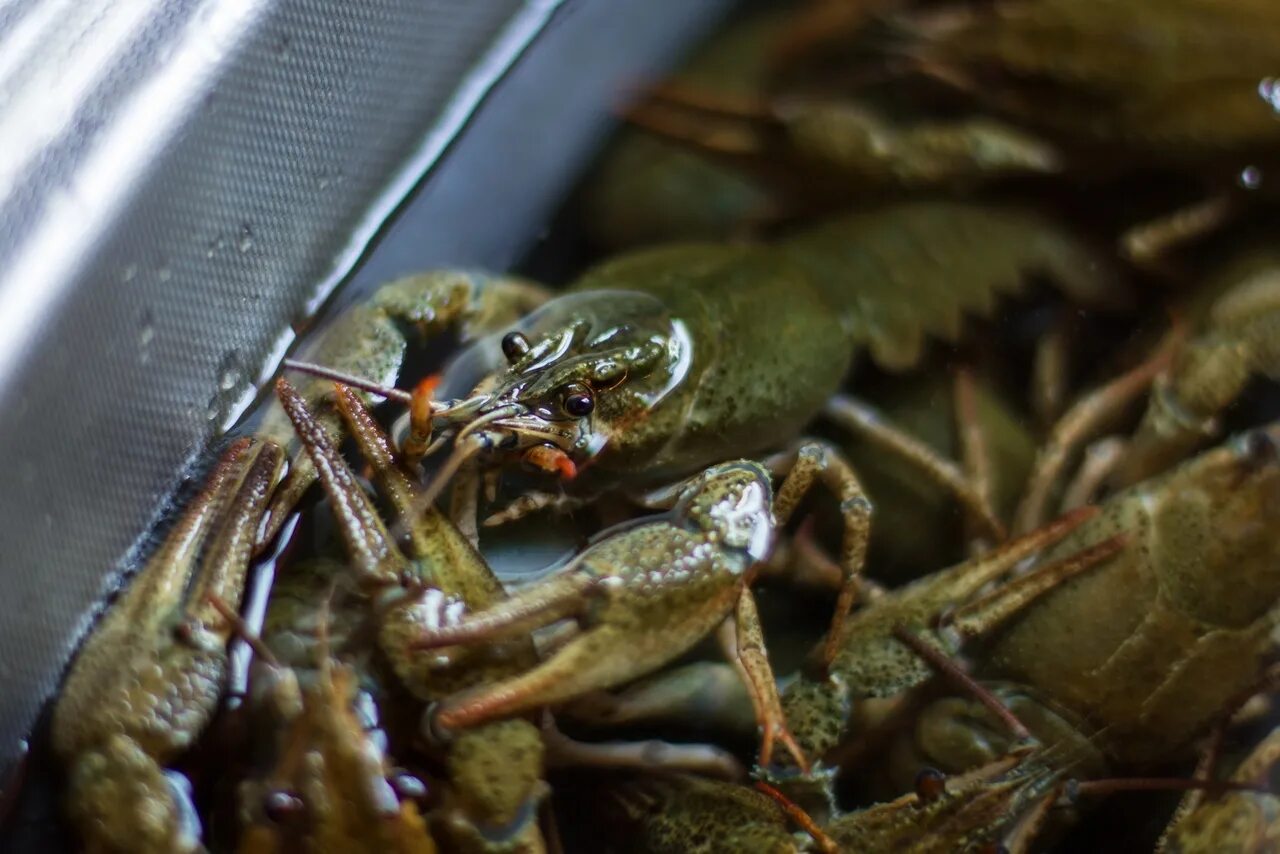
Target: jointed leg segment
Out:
[813,461]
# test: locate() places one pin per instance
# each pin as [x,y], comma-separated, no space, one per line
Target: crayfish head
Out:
[572,377]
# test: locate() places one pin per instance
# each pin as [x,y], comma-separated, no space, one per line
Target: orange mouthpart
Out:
[423,393]
[552,460]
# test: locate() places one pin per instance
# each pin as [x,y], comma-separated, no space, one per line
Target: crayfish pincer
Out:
[149,678]
[642,597]
[1236,318]
[409,585]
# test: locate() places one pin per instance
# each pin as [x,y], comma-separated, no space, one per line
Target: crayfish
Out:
[991,530]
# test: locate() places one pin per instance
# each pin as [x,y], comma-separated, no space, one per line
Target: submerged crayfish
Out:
[692,379]
[648,372]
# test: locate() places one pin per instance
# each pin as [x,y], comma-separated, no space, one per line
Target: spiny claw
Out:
[149,678]
[636,586]
[424,576]
[376,558]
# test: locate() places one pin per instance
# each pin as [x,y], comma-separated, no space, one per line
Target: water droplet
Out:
[245,243]
[229,371]
[129,273]
[1269,91]
[328,178]
[230,376]
[215,246]
[1251,177]
[146,333]
[165,273]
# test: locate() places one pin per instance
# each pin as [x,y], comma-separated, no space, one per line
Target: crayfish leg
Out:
[975,449]
[1050,377]
[531,502]
[748,652]
[870,425]
[944,666]
[1148,243]
[813,461]
[970,577]
[801,818]
[1083,421]
[709,123]
[1101,460]
[705,693]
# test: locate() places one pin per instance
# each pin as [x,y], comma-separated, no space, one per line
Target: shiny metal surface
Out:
[184,179]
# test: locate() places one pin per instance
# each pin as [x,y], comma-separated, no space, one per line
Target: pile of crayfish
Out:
[914,430]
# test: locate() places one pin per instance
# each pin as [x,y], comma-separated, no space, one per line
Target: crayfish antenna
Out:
[399,395]
[948,669]
[465,449]
[324,373]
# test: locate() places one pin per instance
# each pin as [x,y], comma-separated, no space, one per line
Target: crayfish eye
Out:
[931,784]
[280,806]
[578,401]
[514,345]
